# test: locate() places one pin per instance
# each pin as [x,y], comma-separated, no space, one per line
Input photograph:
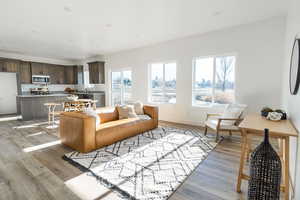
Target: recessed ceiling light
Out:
[67,9]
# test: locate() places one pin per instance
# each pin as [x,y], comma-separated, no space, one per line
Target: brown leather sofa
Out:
[79,131]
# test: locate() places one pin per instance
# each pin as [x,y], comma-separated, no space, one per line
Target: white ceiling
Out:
[78,29]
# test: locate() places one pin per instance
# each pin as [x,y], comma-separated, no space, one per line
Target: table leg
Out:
[249,147]
[281,155]
[242,160]
[286,159]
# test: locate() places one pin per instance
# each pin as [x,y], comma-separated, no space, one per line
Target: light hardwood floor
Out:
[31,166]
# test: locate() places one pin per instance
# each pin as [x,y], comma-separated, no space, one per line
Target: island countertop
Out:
[33,106]
[44,95]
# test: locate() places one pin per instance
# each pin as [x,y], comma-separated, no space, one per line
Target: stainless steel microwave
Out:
[40,79]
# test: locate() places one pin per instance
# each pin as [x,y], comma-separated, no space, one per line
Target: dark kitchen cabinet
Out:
[12,65]
[9,65]
[70,75]
[39,69]
[57,74]
[25,72]
[97,72]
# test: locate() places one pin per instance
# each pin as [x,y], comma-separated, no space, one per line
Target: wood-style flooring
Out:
[31,166]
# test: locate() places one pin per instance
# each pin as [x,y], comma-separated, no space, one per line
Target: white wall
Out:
[292,102]
[259,50]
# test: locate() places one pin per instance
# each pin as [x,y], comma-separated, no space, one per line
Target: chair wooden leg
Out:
[49,115]
[205,131]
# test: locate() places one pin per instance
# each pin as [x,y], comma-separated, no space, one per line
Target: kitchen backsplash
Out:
[27,87]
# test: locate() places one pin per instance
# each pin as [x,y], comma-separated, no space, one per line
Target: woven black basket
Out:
[265,172]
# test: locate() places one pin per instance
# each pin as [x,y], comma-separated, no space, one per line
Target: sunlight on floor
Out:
[30,125]
[41,146]
[35,134]
[13,118]
[86,186]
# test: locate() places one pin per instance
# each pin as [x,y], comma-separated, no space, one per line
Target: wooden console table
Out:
[254,124]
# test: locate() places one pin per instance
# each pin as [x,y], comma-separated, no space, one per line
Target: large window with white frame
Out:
[163,82]
[213,80]
[121,87]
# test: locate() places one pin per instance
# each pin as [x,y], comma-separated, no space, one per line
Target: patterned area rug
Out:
[148,166]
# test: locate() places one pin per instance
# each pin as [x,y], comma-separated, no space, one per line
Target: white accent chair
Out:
[229,120]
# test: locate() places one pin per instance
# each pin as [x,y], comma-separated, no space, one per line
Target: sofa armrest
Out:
[78,131]
[152,111]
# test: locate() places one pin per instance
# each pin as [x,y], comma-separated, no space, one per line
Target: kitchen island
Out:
[32,106]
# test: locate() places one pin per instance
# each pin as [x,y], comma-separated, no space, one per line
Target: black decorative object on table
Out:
[266,110]
[265,172]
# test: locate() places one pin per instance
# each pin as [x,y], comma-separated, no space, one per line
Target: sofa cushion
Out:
[116,123]
[144,117]
[126,111]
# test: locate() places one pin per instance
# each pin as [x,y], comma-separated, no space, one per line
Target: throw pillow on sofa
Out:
[138,107]
[126,111]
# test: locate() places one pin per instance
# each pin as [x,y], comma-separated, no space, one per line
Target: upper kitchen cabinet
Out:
[25,72]
[9,65]
[57,74]
[97,72]
[70,75]
[39,68]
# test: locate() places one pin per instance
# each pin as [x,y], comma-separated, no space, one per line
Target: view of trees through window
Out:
[121,87]
[213,80]
[163,83]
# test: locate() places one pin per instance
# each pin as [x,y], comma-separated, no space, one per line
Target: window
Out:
[163,83]
[213,80]
[121,87]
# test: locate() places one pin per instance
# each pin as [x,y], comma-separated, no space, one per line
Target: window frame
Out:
[214,77]
[164,79]
[122,86]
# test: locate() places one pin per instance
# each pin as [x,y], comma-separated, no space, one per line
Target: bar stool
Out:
[52,113]
[93,104]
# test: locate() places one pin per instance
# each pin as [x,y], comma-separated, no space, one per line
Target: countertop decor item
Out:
[265,112]
[72,97]
[265,172]
[274,116]
[69,90]
[295,68]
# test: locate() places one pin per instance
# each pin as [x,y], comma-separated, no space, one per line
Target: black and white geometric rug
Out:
[148,166]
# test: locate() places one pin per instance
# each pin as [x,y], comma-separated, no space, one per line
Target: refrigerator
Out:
[8,93]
